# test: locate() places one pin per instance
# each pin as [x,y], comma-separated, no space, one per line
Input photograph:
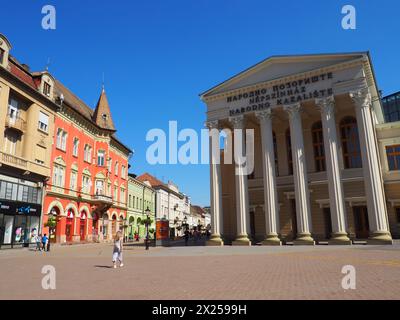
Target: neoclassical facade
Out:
[323,154]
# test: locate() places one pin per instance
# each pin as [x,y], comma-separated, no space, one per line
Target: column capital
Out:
[326,105]
[237,122]
[361,98]
[292,109]
[212,124]
[264,115]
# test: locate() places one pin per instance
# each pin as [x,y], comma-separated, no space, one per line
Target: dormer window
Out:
[5,48]
[2,54]
[46,89]
[104,117]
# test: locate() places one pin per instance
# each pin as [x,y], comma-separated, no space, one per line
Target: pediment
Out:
[281,66]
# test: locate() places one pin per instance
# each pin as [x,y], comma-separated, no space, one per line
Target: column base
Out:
[380,237]
[339,238]
[242,241]
[304,239]
[215,241]
[272,240]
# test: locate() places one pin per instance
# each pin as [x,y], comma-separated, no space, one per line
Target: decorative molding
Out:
[362,98]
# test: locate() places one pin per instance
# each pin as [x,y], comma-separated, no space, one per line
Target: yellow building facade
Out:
[27,111]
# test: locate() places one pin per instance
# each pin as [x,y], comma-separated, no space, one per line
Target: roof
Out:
[157,184]
[197,210]
[151,179]
[102,113]
[18,71]
[281,58]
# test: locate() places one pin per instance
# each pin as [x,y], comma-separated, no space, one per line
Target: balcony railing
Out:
[10,159]
[102,198]
[16,123]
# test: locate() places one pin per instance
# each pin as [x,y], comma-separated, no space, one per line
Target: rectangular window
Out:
[43,122]
[75,149]
[85,184]
[73,180]
[61,142]
[116,168]
[398,214]
[40,154]
[123,195]
[393,157]
[46,89]
[115,193]
[87,153]
[58,176]
[2,54]
[64,141]
[10,143]
[123,171]
[100,158]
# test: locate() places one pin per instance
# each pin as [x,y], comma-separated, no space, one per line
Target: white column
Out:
[336,195]
[303,212]
[242,196]
[271,209]
[374,190]
[215,186]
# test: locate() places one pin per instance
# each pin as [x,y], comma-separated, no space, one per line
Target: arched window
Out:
[289,152]
[275,153]
[350,143]
[318,146]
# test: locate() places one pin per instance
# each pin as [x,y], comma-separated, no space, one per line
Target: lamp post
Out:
[185,222]
[147,227]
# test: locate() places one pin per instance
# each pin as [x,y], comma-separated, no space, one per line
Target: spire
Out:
[102,113]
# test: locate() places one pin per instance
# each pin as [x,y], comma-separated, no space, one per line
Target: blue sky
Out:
[157,56]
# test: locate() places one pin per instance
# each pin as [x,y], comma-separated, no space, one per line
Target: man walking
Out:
[44,242]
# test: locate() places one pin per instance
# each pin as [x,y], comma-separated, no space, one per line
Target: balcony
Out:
[16,123]
[12,160]
[101,198]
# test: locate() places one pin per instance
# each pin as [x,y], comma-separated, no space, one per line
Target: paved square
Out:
[84,272]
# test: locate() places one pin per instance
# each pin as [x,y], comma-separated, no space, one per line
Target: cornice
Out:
[280,80]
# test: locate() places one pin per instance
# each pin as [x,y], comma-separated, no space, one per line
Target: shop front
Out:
[19,223]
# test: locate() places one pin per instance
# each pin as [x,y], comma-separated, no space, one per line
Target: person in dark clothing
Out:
[186,237]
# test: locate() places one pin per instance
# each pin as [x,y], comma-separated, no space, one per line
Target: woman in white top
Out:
[117,250]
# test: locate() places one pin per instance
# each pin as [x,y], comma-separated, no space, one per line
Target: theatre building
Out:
[27,109]
[86,197]
[326,163]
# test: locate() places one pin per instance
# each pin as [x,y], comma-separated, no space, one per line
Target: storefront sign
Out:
[9,207]
[284,94]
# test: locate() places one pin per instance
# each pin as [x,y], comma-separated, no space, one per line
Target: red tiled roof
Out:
[151,179]
[22,74]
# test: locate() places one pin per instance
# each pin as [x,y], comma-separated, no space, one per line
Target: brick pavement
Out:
[83,272]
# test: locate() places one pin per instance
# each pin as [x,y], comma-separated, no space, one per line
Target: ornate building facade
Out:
[326,164]
[27,111]
[87,194]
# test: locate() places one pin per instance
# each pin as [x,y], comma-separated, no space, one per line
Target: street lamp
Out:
[147,227]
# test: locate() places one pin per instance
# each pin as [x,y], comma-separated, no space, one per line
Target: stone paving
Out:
[179,273]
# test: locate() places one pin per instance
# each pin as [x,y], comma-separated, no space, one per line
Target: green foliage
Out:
[51,222]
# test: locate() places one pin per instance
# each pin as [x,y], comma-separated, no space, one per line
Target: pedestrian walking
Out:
[186,237]
[117,250]
[44,241]
[38,240]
